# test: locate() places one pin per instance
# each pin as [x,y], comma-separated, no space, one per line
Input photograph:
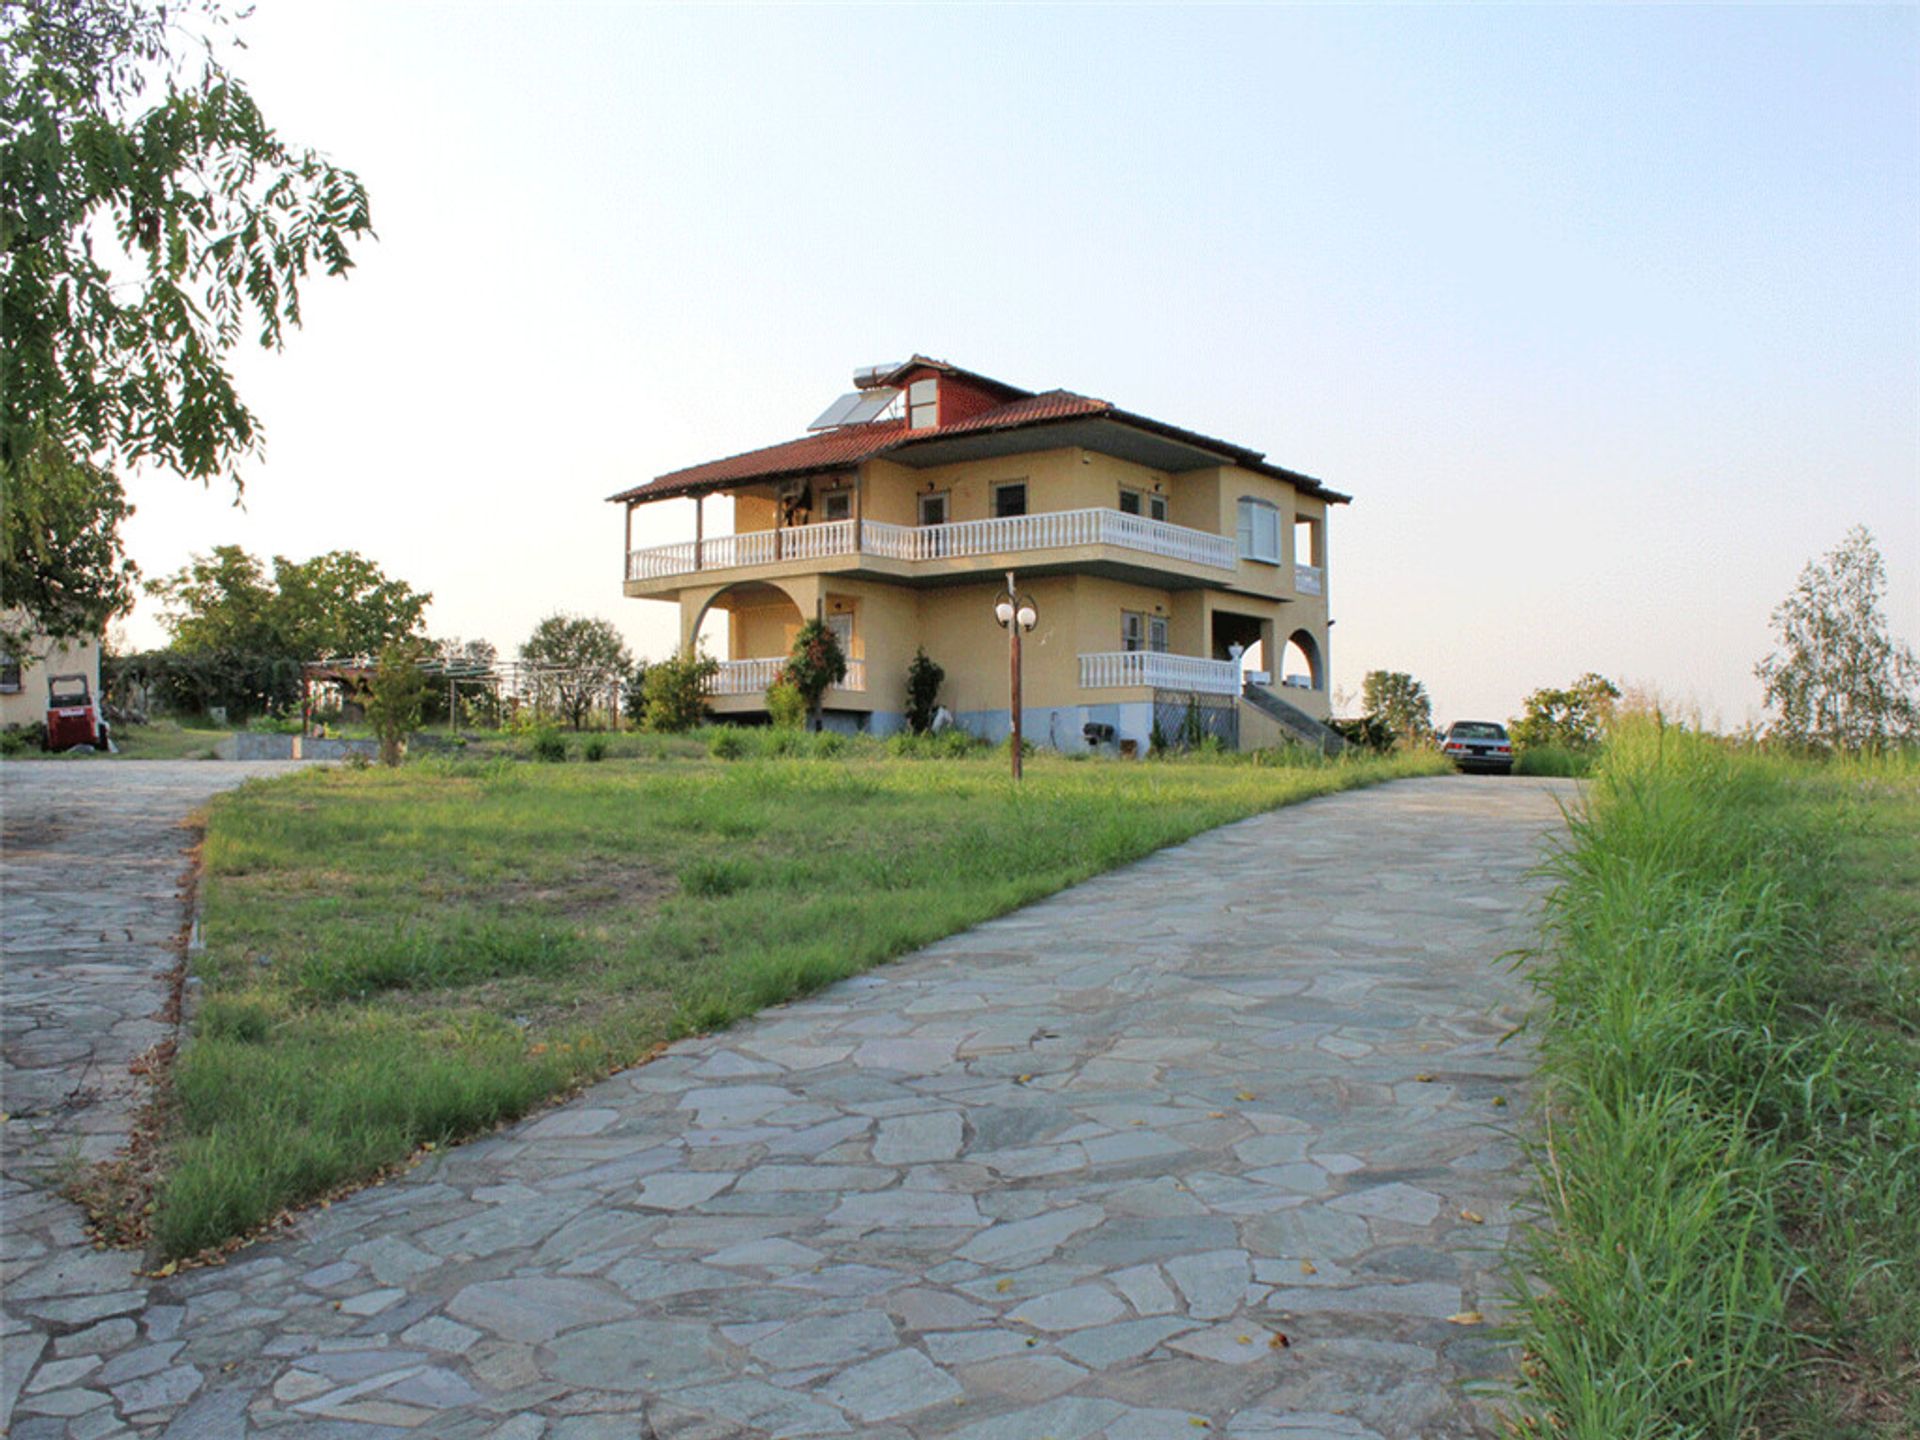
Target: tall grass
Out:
[1703,1096]
[1554,760]
[396,957]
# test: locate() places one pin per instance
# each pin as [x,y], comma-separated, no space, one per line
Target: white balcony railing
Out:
[1116,668]
[1309,579]
[755,677]
[1049,530]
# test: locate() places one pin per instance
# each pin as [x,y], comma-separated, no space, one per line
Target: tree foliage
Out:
[1840,679]
[243,683]
[150,220]
[588,659]
[676,691]
[339,603]
[1576,718]
[924,679]
[815,663]
[1399,702]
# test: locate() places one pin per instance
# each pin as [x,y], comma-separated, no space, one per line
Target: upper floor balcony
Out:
[1063,539]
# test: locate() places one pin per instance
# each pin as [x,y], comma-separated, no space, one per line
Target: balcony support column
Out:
[626,554]
[699,530]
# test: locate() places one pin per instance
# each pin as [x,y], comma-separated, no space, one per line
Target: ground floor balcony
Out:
[1158,670]
[757,676]
[1082,539]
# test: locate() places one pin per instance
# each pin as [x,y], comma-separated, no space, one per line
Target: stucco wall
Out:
[39,660]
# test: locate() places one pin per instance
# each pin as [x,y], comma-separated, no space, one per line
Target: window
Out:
[1010,500]
[1133,630]
[9,674]
[923,404]
[841,625]
[1259,531]
[933,509]
[837,504]
[1139,502]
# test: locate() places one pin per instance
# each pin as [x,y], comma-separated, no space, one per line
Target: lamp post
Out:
[1016,613]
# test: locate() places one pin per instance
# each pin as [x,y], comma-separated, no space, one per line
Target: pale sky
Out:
[1609,319]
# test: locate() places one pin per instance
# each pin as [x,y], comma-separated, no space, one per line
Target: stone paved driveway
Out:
[91,858]
[1071,1174]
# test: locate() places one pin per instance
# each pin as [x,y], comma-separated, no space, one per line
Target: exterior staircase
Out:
[1293,720]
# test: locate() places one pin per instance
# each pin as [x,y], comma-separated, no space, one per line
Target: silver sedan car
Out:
[1478,745]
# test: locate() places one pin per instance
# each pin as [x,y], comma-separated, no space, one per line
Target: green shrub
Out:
[954,744]
[676,692]
[1368,732]
[924,678]
[726,743]
[829,743]
[786,706]
[595,749]
[548,744]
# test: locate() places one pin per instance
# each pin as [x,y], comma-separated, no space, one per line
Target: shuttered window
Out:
[1259,531]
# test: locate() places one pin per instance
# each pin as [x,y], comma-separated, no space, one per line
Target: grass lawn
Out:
[398,958]
[1729,1161]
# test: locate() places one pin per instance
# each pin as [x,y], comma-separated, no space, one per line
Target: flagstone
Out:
[1063,1174]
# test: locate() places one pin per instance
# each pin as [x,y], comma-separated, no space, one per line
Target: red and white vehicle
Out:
[1478,745]
[73,716]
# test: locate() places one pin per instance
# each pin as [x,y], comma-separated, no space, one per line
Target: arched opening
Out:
[1301,666]
[749,628]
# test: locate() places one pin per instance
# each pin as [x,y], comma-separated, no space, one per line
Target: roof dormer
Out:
[923,403]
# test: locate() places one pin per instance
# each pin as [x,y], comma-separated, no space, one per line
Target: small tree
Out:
[586,659]
[633,694]
[924,678]
[395,697]
[676,692]
[815,663]
[1839,678]
[1400,703]
[1576,718]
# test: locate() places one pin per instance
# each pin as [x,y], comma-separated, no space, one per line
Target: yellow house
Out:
[1174,574]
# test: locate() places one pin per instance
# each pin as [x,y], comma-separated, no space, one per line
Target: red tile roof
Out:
[846,447]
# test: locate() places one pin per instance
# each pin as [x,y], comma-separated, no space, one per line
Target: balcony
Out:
[755,677]
[929,544]
[1115,669]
